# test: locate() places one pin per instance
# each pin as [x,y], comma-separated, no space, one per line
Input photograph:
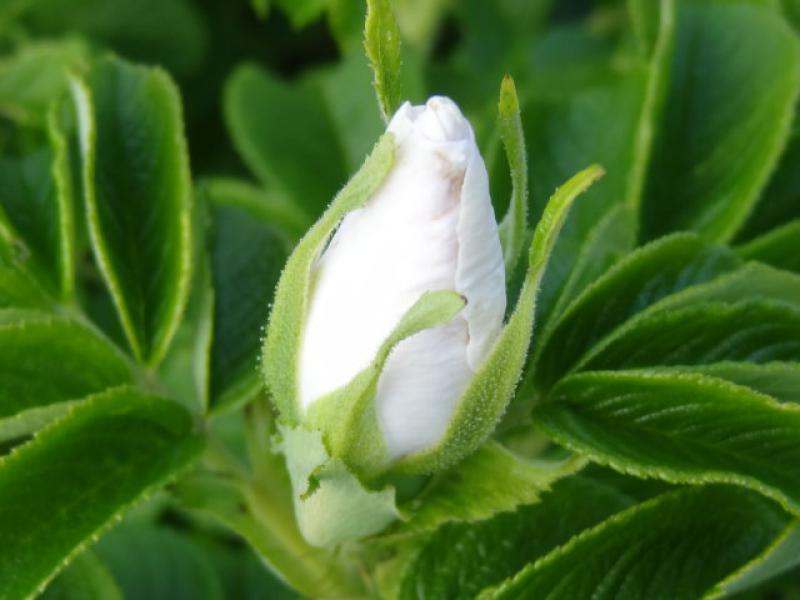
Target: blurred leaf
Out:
[382,42]
[642,553]
[780,201]
[94,463]
[157,563]
[169,32]
[779,247]
[247,256]
[734,76]
[17,286]
[138,196]
[86,578]
[285,136]
[681,427]
[460,560]
[302,12]
[35,75]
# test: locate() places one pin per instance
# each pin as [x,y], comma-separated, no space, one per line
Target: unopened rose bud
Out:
[430,226]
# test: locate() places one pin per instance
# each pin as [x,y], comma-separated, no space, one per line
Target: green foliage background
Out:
[160,159]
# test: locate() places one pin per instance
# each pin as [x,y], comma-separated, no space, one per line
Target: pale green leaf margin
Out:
[87,135]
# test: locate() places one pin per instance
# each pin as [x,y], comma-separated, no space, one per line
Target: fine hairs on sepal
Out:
[386,351]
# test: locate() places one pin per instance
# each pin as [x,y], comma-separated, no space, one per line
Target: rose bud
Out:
[386,352]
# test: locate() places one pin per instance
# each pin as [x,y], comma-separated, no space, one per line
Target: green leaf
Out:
[158,564]
[247,255]
[514,225]
[281,347]
[35,75]
[460,559]
[91,465]
[86,578]
[779,247]
[301,12]
[780,201]
[36,212]
[490,481]
[733,77]
[285,137]
[17,286]
[565,135]
[680,427]
[138,197]
[642,553]
[47,360]
[492,386]
[382,42]
[751,331]
[639,280]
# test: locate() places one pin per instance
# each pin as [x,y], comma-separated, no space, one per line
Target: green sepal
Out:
[492,386]
[282,345]
[331,504]
[347,417]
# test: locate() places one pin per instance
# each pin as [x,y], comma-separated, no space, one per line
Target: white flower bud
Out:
[430,226]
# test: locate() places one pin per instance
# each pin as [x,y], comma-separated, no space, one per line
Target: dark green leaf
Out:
[459,560]
[77,476]
[285,137]
[158,564]
[641,279]
[677,547]
[138,197]
[86,578]
[733,78]
[680,427]
[779,247]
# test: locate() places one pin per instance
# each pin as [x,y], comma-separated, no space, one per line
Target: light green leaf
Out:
[490,481]
[157,563]
[281,347]
[639,280]
[779,247]
[461,559]
[680,427]
[285,137]
[642,552]
[247,255]
[491,388]
[77,477]
[514,225]
[35,75]
[138,197]
[382,42]
[86,578]
[733,78]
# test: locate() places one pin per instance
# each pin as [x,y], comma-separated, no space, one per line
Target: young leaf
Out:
[382,42]
[461,559]
[138,195]
[710,164]
[94,463]
[642,552]
[680,427]
[514,225]
[285,137]
[639,280]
